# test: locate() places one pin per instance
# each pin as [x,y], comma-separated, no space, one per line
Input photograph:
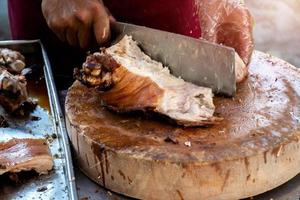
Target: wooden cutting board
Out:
[254,149]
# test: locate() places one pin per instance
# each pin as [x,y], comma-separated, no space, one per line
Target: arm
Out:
[78,22]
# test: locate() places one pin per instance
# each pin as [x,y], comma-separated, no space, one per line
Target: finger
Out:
[84,36]
[101,28]
[58,29]
[71,36]
[83,21]
[110,16]
[60,33]
[238,33]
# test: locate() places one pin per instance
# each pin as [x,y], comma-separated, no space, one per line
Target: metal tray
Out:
[60,182]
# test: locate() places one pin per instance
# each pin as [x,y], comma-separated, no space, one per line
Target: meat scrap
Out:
[13,91]
[27,154]
[129,80]
[13,85]
[3,122]
[12,61]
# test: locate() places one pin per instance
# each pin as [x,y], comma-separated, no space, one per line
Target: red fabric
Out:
[178,16]
[26,21]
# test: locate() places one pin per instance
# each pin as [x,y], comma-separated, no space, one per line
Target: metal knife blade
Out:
[195,60]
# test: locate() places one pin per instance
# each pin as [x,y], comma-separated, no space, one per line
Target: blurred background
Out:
[4,26]
[277,28]
[276,31]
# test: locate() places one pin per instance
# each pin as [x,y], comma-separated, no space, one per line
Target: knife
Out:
[194,60]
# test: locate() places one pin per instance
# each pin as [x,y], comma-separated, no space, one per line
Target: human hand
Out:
[227,22]
[78,22]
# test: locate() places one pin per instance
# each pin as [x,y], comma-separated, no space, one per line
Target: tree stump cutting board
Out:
[254,149]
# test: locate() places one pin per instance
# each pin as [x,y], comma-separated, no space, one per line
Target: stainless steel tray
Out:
[60,182]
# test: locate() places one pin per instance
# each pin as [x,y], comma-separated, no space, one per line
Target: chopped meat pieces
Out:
[97,71]
[12,61]
[13,85]
[13,91]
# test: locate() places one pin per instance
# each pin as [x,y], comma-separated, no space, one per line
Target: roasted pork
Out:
[12,61]
[13,91]
[13,85]
[18,155]
[129,80]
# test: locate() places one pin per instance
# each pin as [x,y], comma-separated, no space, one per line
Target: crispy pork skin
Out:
[27,154]
[11,60]
[130,80]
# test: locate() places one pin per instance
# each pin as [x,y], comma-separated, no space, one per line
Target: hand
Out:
[78,22]
[227,22]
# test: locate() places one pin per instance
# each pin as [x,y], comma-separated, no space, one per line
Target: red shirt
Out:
[178,16]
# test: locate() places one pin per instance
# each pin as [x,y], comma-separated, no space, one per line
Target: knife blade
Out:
[195,60]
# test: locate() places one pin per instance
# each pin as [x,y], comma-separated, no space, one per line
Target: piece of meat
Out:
[12,61]
[3,122]
[13,85]
[13,91]
[131,81]
[27,154]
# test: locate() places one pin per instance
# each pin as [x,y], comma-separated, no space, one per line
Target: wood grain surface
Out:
[254,149]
